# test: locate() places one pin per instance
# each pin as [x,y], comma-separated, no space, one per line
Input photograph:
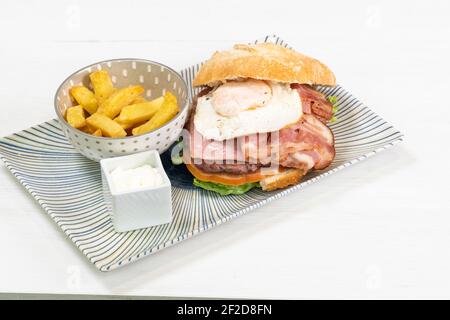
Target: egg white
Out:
[284,108]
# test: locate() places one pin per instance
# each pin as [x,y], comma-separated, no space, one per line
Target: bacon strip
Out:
[307,138]
[314,102]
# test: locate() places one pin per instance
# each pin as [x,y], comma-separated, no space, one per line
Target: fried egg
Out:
[240,108]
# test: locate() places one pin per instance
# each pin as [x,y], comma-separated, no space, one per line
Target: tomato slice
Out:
[226,178]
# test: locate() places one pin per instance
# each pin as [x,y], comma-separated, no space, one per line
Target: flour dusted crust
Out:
[265,61]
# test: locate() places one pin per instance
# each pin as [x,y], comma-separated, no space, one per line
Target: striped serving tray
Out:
[69,189]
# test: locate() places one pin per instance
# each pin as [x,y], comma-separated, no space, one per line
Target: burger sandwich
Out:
[258,120]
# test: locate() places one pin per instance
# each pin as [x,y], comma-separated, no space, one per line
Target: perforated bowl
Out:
[155,78]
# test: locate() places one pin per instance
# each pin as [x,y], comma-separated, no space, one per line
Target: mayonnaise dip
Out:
[134,179]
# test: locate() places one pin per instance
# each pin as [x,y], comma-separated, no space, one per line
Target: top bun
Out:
[265,61]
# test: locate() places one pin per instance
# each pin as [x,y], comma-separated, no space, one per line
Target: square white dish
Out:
[137,209]
[69,188]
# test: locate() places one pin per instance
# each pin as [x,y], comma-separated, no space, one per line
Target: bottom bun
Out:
[282,180]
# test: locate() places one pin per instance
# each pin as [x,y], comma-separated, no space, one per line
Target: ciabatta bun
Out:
[283,179]
[265,61]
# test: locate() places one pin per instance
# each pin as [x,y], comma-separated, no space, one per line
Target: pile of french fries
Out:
[111,112]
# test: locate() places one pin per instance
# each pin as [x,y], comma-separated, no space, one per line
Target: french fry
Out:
[85,98]
[88,129]
[124,125]
[128,127]
[139,99]
[112,106]
[115,112]
[139,112]
[166,112]
[102,84]
[109,127]
[75,117]
[97,133]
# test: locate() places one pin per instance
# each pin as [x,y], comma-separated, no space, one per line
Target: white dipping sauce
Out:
[133,179]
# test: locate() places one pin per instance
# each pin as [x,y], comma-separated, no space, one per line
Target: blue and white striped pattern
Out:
[68,186]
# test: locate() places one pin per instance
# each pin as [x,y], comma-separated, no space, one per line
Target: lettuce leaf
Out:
[333,101]
[225,189]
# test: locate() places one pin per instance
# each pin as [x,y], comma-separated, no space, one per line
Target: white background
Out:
[379,229]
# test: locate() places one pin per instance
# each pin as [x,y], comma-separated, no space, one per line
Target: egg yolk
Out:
[235,96]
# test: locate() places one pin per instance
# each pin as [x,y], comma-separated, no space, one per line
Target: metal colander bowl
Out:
[156,80]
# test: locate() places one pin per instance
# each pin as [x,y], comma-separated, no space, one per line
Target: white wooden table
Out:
[380,229]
